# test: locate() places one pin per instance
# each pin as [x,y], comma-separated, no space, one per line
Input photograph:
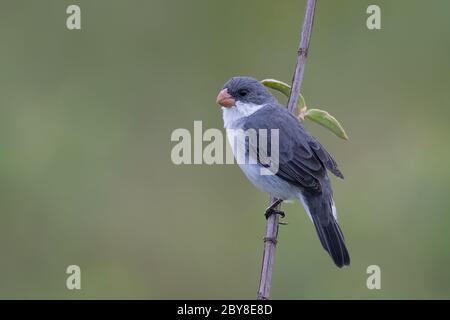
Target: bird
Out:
[303,164]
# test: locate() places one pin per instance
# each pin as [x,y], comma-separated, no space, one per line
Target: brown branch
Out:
[270,240]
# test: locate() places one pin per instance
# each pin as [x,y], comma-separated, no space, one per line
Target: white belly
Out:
[270,184]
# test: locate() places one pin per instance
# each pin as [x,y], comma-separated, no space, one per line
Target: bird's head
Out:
[244,90]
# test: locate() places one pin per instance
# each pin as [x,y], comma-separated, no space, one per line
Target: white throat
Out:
[239,111]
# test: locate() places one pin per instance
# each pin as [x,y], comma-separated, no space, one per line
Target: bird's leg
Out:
[271,209]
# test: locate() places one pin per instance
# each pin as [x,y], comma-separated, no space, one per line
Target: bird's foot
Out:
[271,211]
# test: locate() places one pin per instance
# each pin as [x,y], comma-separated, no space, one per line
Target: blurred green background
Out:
[86,176]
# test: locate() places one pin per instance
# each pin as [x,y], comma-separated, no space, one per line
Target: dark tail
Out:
[332,240]
[328,230]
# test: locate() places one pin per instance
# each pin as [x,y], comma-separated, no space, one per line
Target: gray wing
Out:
[303,160]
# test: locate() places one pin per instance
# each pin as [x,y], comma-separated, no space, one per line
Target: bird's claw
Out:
[270,212]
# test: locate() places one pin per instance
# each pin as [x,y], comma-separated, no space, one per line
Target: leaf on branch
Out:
[285,89]
[326,120]
[319,116]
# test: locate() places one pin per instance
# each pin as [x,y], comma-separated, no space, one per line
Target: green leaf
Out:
[326,120]
[285,89]
[319,116]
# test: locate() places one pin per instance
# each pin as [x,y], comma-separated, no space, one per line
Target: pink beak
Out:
[224,99]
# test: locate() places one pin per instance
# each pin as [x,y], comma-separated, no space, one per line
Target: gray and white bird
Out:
[303,161]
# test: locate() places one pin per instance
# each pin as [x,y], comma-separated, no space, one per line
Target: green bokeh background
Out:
[86,176]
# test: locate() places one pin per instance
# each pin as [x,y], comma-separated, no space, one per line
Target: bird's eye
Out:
[243,92]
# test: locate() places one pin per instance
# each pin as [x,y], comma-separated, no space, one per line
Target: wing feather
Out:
[302,159]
